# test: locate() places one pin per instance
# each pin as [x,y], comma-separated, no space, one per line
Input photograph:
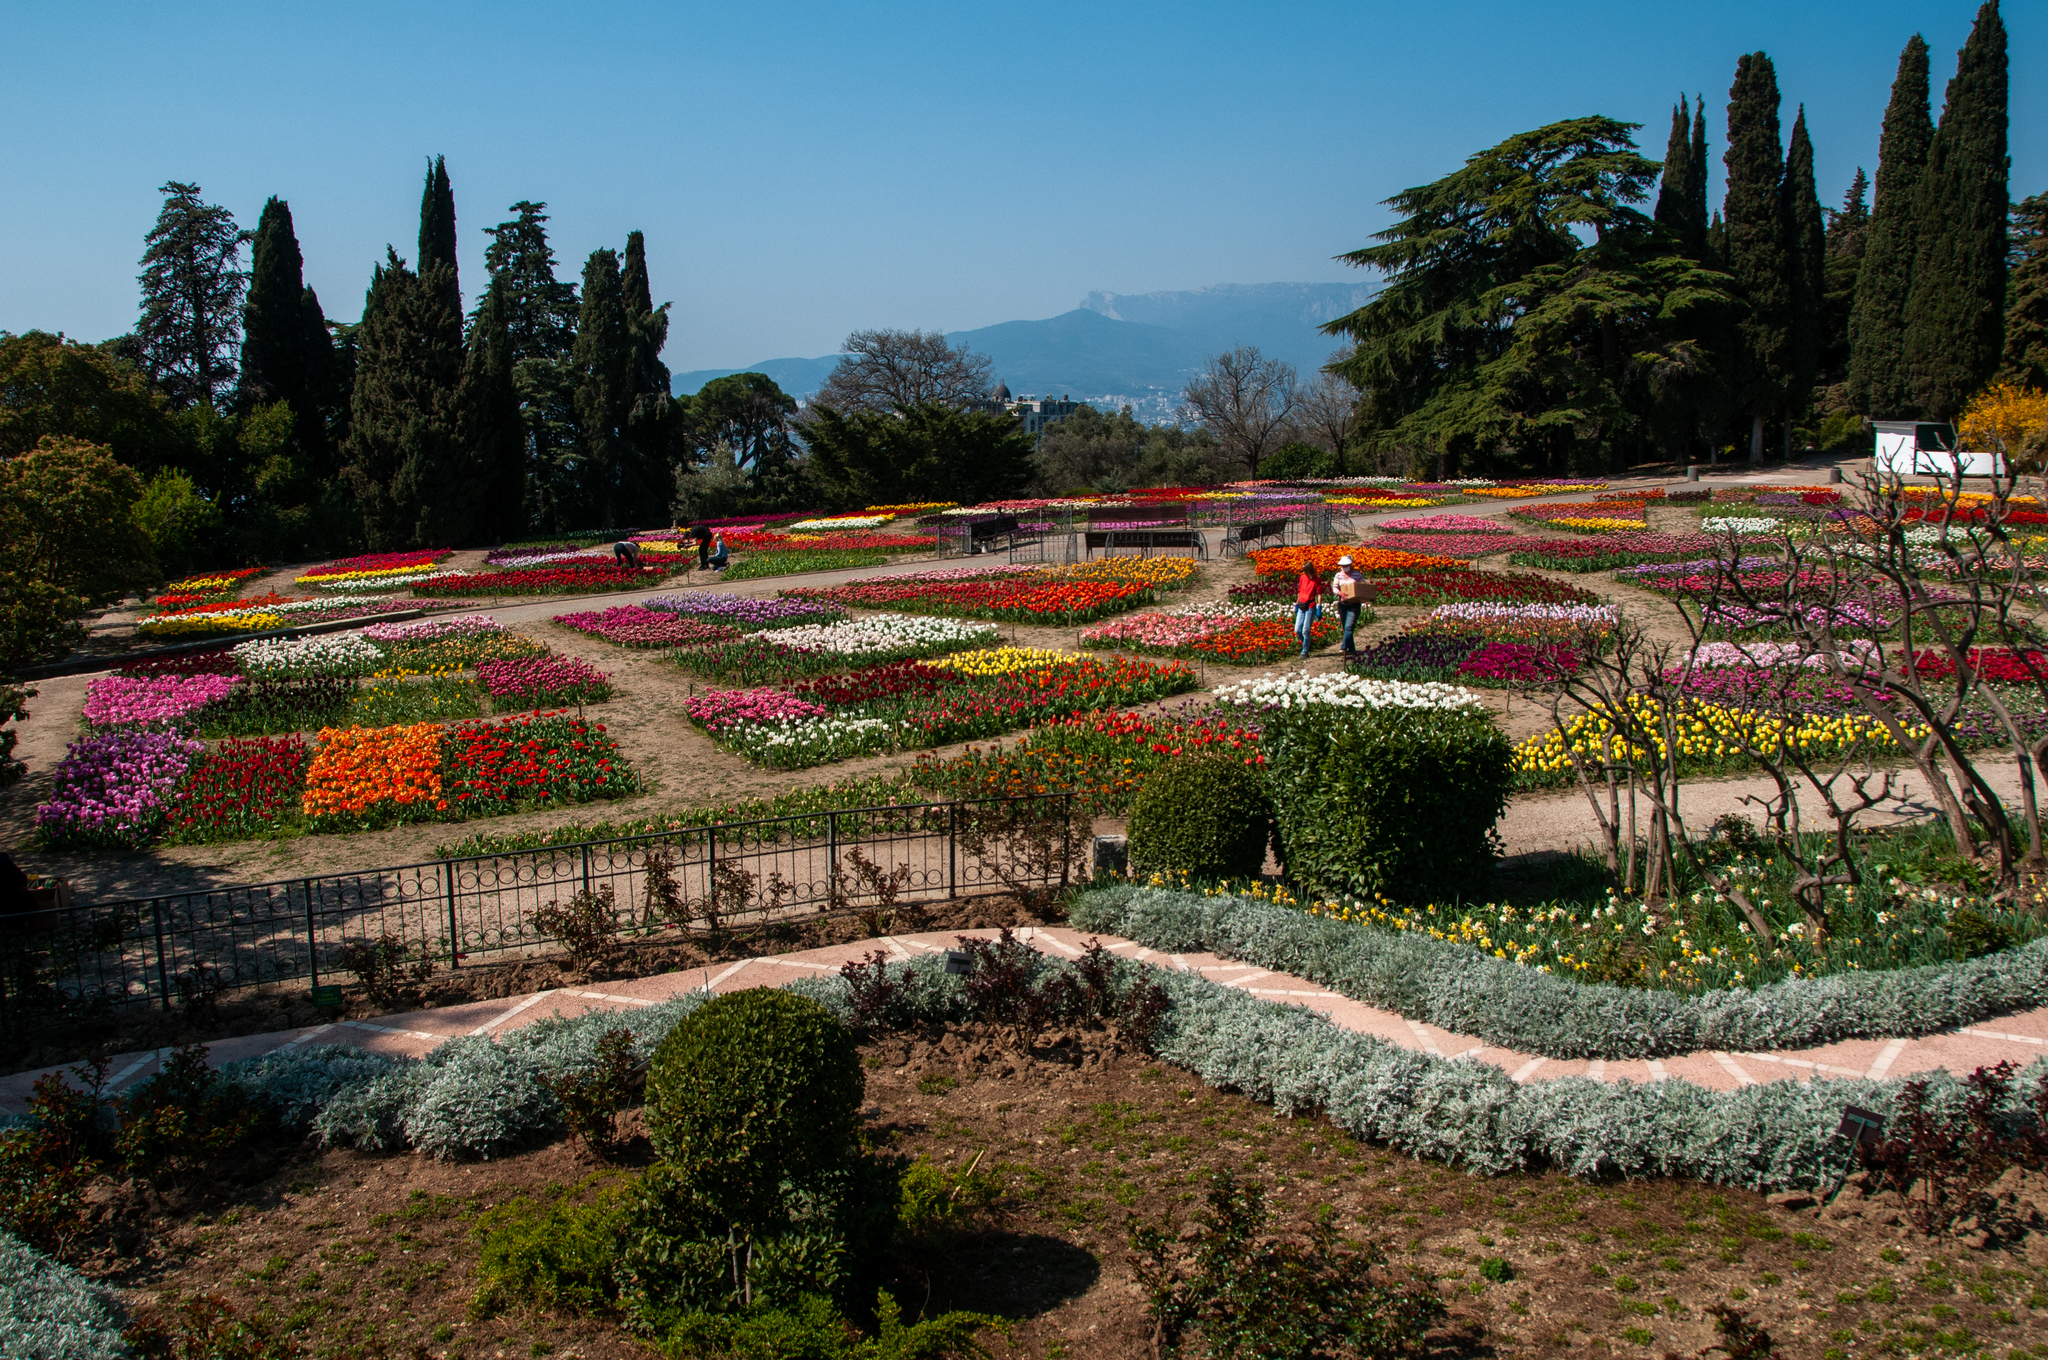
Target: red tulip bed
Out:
[1067,596]
[1102,757]
[632,625]
[564,580]
[240,789]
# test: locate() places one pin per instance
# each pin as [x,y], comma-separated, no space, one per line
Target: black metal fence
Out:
[688,882]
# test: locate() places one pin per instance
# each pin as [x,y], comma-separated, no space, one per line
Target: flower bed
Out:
[1231,634]
[1416,656]
[1590,517]
[267,706]
[1440,524]
[252,616]
[212,661]
[329,654]
[1501,664]
[546,760]
[1609,551]
[600,576]
[240,789]
[1368,561]
[632,625]
[757,565]
[369,567]
[362,777]
[817,649]
[1283,692]
[430,630]
[542,682]
[1430,587]
[1516,623]
[1103,757]
[115,790]
[152,701]
[204,588]
[1077,594]
[1711,739]
[744,612]
[1448,545]
[924,703]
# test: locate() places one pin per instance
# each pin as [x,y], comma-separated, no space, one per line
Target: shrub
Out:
[812,1329]
[206,1327]
[1386,800]
[181,1119]
[591,1099]
[1207,816]
[557,1253]
[1257,1296]
[754,1089]
[1939,1155]
[48,1309]
[588,927]
[381,967]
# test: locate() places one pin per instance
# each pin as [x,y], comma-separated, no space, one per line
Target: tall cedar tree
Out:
[654,425]
[1806,235]
[1955,313]
[1759,251]
[192,289]
[1848,233]
[603,366]
[410,474]
[1504,339]
[491,429]
[287,353]
[1877,324]
[540,317]
[2026,317]
[437,232]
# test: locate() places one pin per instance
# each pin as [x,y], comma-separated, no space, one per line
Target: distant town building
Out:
[1035,413]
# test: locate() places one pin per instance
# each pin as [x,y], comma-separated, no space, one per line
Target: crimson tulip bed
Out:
[586,580]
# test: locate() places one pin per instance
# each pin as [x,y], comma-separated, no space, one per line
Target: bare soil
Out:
[375,1255]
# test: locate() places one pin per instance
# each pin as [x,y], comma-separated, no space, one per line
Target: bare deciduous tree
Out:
[1327,413]
[888,372]
[1246,400]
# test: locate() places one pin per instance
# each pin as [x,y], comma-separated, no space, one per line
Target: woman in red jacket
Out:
[1308,602]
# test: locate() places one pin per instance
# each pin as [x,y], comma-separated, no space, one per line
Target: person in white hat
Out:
[1352,593]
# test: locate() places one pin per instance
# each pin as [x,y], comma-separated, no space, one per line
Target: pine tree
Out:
[1806,261]
[410,475]
[192,289]
[287,353]
[540,317]
[492,430]
[1759,253]
[1955,313]
[1877,324]
[2026,316]
[1674,194]
[437,231]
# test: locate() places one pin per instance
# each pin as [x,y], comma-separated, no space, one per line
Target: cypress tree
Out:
[1955,313]
[1674,194]
[493,430]
[602,362]
[653,425]
[2026,316]
[1877,323]
[1696,181]
[1806,260]
[406,466]
[1758,251]
[1847,234]
[437,234]
[287,353]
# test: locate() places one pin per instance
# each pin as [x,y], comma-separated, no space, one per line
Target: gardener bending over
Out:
[626,553]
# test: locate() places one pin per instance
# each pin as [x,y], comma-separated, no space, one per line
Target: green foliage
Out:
[57,388]
[556,1253]
[2026,318]
[206,1327]
[936,1205]
[1877,326]
[755,1088]
[1250,1294]
[1087,449]
[13,709]
[930,452]
[192,288]
[68,541]
[1206,816]
[1395,801]
[1955,313]
[812,1329]
[1524,345]
[182,524]
[1759,249]
[592,1098]
[181,1119]
[1295,460]
[753,565]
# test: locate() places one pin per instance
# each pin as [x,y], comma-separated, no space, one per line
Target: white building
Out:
[1928,449]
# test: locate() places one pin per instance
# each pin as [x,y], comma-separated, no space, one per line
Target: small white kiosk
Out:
[1928,449]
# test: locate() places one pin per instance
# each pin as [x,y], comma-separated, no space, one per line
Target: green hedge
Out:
[1387,800]
[1205,815]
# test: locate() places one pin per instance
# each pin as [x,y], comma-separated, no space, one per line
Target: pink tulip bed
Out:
[632,625]
[542,682]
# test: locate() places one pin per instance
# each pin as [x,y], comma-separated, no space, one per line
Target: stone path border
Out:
[2020,1037]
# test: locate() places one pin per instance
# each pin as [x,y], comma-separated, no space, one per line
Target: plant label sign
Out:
[1860,1125]
[958,962]
[327,995]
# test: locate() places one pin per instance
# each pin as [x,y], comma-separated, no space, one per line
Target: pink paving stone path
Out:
[2021,1037]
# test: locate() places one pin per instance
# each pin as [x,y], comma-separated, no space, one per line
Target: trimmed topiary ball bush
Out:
[1206,816]
[1401,801]
[755,1089]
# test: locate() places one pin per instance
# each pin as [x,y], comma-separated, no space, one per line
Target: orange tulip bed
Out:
[1369,561]
[1081,593]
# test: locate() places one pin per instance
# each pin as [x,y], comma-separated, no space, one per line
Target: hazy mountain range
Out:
[1135,349]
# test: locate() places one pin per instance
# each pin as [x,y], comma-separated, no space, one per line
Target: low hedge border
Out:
[1458,988]
[47,1309]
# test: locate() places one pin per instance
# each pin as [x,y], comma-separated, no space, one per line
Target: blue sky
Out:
[803,169]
